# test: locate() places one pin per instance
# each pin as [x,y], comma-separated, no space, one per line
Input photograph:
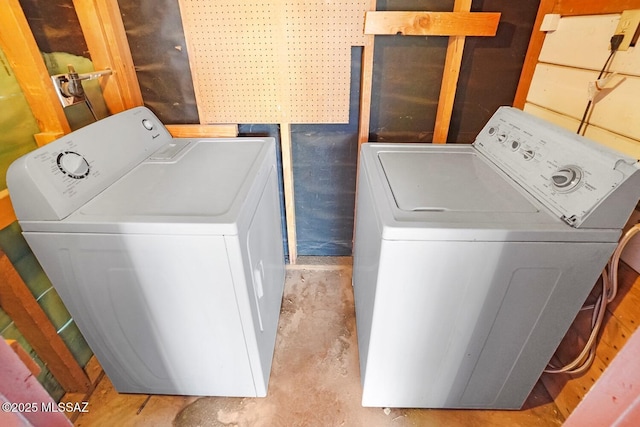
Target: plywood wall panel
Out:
[628,146]
[273,61]
[583,42]
[562,45]
[564,90]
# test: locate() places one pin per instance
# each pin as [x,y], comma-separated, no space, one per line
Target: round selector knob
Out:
[73,164]
[148,124]
[566,178]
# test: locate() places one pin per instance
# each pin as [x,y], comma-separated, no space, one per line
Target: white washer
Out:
[471,261]
[167,252]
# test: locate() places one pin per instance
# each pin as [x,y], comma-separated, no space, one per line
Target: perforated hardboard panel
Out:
[272,61]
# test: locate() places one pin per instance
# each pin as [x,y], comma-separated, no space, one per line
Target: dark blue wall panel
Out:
[324,179]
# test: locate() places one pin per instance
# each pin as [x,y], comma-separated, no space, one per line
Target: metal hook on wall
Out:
[70,90]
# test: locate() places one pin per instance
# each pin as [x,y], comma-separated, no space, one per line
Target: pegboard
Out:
[272,61]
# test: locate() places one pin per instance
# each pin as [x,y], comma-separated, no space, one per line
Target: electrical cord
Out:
[615,42]
[583,361]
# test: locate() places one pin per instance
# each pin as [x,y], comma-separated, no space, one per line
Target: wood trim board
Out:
[593,7]
[104,33]
[21,50]
[203,131]
[18,302]
[464,23]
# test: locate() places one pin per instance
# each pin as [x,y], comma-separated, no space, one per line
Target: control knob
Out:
[566,178]
[73,164]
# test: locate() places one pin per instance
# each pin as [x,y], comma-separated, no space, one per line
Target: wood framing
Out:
[457,24]
[533,51]
[19,46]
[203,131]
[593,7]
[7,216]
[564,8]
[289,198]
[449,85]
[21,50]
[432,23]
[95,373]
[366,81]
[106,39]
[18,302]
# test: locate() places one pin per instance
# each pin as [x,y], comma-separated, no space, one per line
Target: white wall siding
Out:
[571,57]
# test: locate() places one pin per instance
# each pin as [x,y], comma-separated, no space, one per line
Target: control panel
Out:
[63,175]
[568,173]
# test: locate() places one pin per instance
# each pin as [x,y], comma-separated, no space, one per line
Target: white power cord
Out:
[609,290]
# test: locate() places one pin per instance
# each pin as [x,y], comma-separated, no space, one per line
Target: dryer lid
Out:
[205,183]
[449,182]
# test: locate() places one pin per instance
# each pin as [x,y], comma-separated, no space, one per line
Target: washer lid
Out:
[448,181]
[426,192]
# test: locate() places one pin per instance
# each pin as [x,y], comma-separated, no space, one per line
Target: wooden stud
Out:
[43,138]
[289,201]
[449,84]
[533,52]
[366,81]
[432,23]
[203,131]
[95,373]
[7,215]
[364,120]
[593,7]
[21,50]
[106,39]
[18,302]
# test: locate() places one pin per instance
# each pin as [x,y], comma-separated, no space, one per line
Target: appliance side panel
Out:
[472,324]
[256,257]
[427,308]
[366,257]
[546,291]
[159,312]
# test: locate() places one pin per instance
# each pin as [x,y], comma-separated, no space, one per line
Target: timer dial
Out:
[73,164]
[566,178]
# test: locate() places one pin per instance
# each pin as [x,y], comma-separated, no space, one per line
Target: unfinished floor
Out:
[315,379]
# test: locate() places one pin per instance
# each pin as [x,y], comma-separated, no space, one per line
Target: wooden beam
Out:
[366,82]
[95,373]
[43,138]
[18,302]
[19,46]
[289,200]
[432,23]
[104,33]
[533,52]
[593,7]
[7,215]
[203,131]
[449,84]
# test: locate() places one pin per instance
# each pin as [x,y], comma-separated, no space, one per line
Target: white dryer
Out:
[167,252]
[471,261]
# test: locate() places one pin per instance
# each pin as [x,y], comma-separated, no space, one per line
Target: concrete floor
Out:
[315,378]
